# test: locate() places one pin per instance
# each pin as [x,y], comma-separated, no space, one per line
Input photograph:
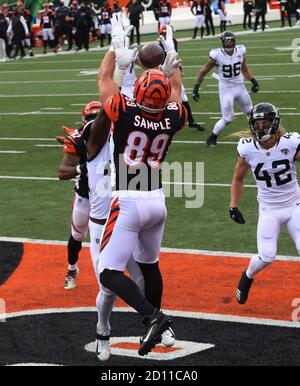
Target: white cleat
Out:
[102,347]
[71,279]
[168,337]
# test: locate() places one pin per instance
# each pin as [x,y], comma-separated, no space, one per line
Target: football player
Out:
[164,12]
[271,154]
[105,14]
[74,165]
[47,23]
[141,134]
[197,10]
[232,67]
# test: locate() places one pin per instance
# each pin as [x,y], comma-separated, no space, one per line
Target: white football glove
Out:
[171,64]
[168,43]
[124,56]
[118,32]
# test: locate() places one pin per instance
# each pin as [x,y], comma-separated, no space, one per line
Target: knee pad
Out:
[77,235]
[267,250]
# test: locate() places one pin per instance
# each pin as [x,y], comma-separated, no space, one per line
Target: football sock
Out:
[189,111]
[104,303]
[256,265]
[74,248]
[153,283]
[72,267]
[219,126]
[127,290]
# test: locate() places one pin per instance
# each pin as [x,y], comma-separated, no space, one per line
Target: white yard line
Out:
[26,139]
[247,255]
[12,152]
[180,183]
[50,81]
[48,145]
[174,313]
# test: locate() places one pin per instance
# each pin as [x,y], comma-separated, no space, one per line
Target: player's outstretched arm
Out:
[203,72]
[237,187]
[249,75]
[68,167]
[98,134]
[106,86]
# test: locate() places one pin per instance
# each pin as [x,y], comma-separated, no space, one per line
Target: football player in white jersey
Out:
[271,154]
[232,67]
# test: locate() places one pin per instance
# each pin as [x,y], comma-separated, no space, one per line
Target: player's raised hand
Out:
[168,42]
[236,215]
[117,29]
[171,64]
[124,56]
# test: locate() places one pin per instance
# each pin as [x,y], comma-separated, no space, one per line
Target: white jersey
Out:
[99,184]
[129,81]
[229,67]
[274,169]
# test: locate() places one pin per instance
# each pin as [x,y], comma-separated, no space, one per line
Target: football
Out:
[151,55]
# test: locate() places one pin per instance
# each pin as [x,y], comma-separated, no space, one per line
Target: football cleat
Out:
[212,140]
[102,347]
[70,279]
[168,337]
[156,325]
[197,126]
[243,288]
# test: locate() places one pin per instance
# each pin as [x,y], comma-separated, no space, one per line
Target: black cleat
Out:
[156,325]
[243,288]
[197,126]
[212,140]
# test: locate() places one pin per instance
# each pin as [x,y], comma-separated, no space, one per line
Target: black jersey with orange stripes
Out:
[106,14]
[164,9]
[76,144]
[140,142]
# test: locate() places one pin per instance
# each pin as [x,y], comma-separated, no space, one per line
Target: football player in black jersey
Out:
[73,165]
[142,131]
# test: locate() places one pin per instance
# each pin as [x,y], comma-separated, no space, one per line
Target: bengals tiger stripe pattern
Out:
[152,91]
[111,222]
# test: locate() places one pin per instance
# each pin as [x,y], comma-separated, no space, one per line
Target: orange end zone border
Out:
[195,283]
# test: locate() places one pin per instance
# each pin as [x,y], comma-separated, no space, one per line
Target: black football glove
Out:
[255,85]
[195,94]
[236,215]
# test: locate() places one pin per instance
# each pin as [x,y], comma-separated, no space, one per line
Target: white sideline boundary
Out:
[175,313]
[171,250]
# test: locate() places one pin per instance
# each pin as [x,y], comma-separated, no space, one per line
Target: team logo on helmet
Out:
[267,112]
[152,91]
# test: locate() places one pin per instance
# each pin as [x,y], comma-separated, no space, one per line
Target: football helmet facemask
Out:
[228,41]
[264,112]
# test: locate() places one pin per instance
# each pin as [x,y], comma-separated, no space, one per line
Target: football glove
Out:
[236,215]
[171,64]
[168,43]
[195,94]
[255,85]
[117,31]
[124,56]
[81,169]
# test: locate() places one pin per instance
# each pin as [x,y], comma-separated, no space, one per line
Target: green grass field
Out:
[39,95]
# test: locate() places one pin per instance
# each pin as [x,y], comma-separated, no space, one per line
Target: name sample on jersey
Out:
[150,125]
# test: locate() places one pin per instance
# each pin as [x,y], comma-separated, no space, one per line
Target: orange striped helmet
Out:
[90,111]
[152,91]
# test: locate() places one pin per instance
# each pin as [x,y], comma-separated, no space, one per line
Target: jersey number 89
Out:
[141,149]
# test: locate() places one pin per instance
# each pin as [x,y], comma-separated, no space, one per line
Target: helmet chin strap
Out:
[264,138]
